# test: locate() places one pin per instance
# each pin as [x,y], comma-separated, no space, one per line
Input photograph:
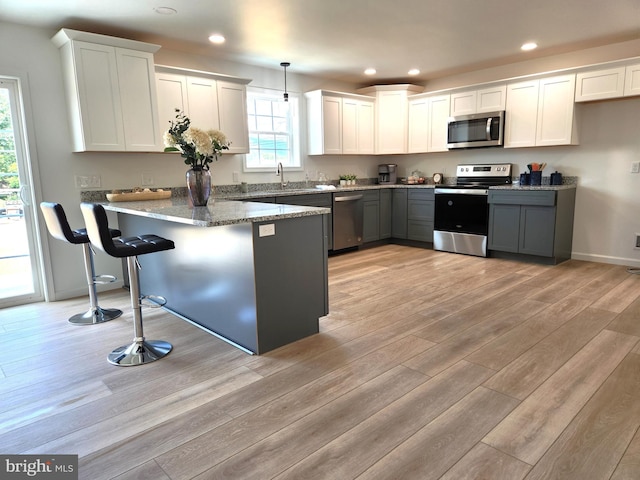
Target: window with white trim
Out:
[273,130]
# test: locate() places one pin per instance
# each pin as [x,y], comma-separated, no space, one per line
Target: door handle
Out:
[24,195]
[349,198]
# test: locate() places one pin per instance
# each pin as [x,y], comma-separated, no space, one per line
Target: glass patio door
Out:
[20,267]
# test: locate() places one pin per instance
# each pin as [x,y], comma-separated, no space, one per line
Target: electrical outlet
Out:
[635,167]
[637,241]
[95,181]
[147,179]
[88,181]
[236,177]
[82,181]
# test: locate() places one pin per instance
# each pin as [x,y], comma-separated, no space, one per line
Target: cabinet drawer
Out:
[371,195]
[523,197]
[421,194]
[419,230]
[310,200]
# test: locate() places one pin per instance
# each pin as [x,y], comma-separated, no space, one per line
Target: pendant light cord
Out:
[285,65]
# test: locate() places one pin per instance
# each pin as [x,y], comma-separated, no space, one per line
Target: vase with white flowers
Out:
[198,148]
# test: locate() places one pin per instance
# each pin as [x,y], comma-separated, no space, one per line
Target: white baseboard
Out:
[84,292]
[589,257]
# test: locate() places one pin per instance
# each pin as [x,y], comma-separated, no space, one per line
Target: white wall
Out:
[607,200]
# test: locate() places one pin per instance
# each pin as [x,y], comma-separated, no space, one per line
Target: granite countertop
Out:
[308,191]
[217,213]
[534,187]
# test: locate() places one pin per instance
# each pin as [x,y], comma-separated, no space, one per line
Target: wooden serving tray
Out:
[138,196]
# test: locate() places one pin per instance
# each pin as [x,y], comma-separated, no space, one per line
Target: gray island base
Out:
[253,274]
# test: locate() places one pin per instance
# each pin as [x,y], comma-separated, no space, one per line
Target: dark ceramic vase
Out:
[199,186]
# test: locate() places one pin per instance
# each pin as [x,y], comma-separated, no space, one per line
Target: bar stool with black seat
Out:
[141,351]
[59,228]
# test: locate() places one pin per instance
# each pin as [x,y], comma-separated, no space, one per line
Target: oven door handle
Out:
[462,191]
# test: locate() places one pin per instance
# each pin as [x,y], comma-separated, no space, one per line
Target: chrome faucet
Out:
[280,172]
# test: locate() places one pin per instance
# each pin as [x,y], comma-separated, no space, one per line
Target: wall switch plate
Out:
[147,179]
[635,167]
[236,177]
[88,181]
[267,230]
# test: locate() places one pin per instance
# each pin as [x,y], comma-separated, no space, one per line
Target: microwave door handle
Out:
[489,128]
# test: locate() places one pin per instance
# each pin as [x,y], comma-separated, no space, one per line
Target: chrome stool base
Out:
[139,353]
[95,315]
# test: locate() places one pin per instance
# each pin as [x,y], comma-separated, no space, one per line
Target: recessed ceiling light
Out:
[216,38]
[529,46]
[370,71]
[165,10]
[413,71]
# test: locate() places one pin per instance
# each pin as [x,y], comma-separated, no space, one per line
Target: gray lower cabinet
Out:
[313,200]
[371,216]
[532,222]
[420,214]
[385,213]
[399,213]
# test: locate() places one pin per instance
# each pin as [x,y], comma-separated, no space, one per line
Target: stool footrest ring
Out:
[152,301]
[95,315]
[102,279]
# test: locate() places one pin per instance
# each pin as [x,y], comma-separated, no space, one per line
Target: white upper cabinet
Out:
[556,111]
[521,114]
[392,118]
[599,84]
[324,122]
[232,105]
[208,101]
[111,92]
[358,126]
[489,99]
[540,112]
[339,123]
[632,80]
[202,103]
[602,84]
[463,103]
[428,123]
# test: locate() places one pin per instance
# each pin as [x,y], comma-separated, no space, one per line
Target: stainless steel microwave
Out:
[477,130]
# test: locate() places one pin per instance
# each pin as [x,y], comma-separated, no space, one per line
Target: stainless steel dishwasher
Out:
[347,220]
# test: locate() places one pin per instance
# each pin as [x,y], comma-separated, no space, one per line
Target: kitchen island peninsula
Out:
[254,274]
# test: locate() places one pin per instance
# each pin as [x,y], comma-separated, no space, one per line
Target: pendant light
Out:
[285,65]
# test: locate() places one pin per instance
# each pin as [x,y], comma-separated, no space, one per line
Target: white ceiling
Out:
[340,38]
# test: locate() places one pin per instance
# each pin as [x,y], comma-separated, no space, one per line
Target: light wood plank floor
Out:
[430,365]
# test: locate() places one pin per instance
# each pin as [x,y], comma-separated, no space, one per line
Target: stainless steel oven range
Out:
[461,218]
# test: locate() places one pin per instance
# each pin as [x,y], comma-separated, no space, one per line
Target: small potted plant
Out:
[343,180]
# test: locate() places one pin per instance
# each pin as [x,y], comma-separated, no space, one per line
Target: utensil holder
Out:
[536,178]
[525,179]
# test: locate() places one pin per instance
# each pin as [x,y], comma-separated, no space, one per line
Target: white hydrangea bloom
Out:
[168,139]
[218,137]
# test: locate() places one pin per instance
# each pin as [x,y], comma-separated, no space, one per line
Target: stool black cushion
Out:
[96,223]
[58,225]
